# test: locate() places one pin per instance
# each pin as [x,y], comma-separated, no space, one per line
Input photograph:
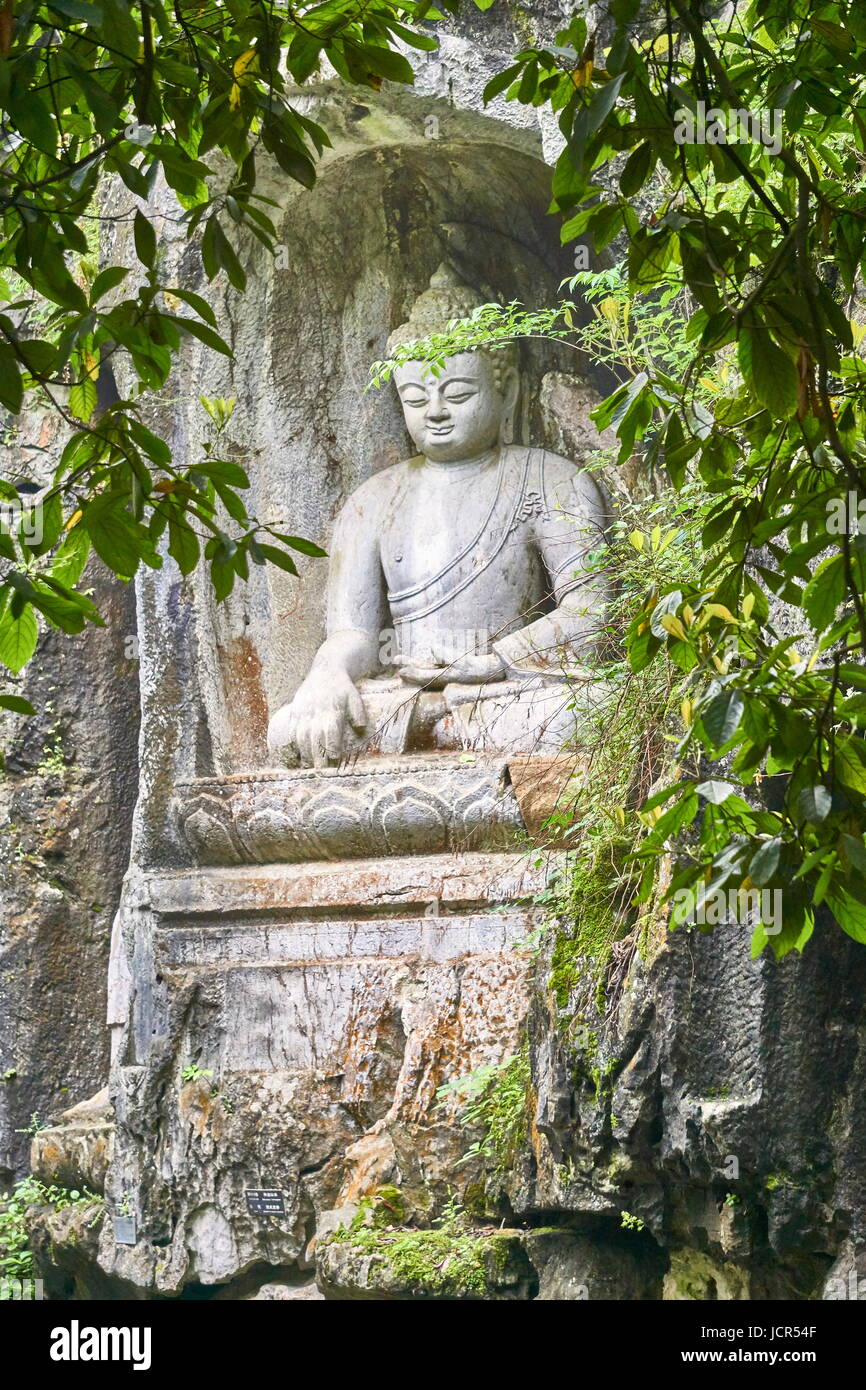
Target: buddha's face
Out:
[458,414]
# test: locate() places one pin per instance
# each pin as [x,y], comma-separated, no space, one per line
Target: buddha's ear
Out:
[509,385]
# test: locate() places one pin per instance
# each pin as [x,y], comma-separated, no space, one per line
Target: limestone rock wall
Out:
[720,1103]
[67,791]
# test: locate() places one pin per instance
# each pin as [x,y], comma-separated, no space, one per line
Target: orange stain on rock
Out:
[245,697]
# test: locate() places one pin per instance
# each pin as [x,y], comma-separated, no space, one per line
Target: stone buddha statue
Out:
[460,602]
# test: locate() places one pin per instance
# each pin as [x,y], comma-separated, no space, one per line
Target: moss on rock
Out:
[694,1275]
[363,1262]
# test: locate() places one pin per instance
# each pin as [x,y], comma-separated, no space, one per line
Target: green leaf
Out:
[501,81]
[232,503]
[82,399]
[603,102]
[384,62]
[44,521]
[222,577]
[815,804]
[204,334]
[114,535]
[69,617]
[854,851]
[107,279]
[642,649]
[18,634]
[666,607]
[721,719]
[69,596]
[851,764]
[278,558]
[765,861]
[605,225]
[195,301]
[849,913]
[224,471]
[34,121]
[38,356]
[853,675]
[824,593]
[16,704]
[145,239]
[155,448]
[298,543]
[298,166]
[183,545]
[11,385]
[217,253]
[51,278]
[71,556]
[769,371]
[638,168]
[797,928]
[209,257]
[681,813]
[78,9]
[414,39]
[715,791]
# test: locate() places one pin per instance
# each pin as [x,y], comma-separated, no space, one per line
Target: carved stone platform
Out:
[292,963]
[287,1005]
[430,804]
[324,1005]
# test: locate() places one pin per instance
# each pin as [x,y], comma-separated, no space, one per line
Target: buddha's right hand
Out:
[316,720]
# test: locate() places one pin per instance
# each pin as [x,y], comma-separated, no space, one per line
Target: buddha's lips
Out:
[445,429]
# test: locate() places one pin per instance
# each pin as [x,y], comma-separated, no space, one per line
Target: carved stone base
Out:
[345,942]
[424,805]
[289,1026]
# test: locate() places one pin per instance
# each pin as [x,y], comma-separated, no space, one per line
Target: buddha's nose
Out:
[437,410]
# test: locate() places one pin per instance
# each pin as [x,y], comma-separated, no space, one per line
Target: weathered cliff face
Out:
[67,792]
[720,1103]
[282,1019]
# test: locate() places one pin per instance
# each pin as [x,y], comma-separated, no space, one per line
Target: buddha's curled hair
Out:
[447,298]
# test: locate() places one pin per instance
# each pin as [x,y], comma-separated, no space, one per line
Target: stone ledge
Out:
[548,1265]
[308,944]
[483,1266]
[371,808]
[432,804]
[399,886]
[74,1155]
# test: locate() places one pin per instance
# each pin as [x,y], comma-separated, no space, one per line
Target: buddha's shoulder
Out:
[557,478]
[540,466]
[535,462]
[382,485]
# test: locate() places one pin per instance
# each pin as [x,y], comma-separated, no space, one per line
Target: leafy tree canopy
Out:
[726,158]
[724,155]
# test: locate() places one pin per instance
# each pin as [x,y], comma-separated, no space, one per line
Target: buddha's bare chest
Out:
[439,538]
[430,529]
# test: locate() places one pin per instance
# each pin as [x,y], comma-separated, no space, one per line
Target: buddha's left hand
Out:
[466,670]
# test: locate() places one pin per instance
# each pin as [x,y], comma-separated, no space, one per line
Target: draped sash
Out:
[509,507]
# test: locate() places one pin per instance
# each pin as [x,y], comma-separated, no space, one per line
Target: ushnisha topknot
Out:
[446,298]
